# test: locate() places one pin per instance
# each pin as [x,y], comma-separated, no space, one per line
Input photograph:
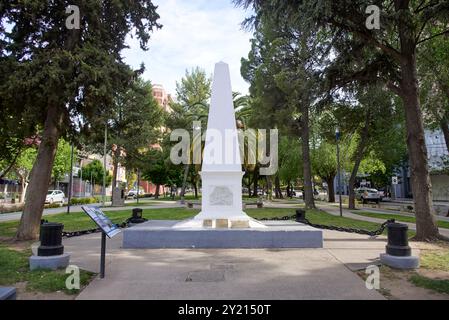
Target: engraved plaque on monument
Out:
[221,196]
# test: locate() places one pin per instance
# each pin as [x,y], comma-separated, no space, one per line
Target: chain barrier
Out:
[90,231]
[371,233]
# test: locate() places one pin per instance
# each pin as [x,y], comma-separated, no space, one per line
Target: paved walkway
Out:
[348,214]
[230,273]
[47,212]
[377,210]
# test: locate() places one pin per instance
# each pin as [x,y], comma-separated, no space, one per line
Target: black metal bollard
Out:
[300,215]
[137,213]
[398,240]
[137,216]
[51,240]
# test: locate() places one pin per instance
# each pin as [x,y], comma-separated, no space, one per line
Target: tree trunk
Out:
[269,188]
[277,188]
[426,227]
[195,188]
[249,182]
[330,188]
[307,169]
[156,195]
[255,182]
[444,123]
[445,129]
[115,170]
[358,158]
[24,184]
[40,176]
[249,188]
[184,182]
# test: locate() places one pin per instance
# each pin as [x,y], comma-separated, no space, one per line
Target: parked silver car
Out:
[367,195]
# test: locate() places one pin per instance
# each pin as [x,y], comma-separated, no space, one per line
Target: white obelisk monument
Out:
[221,171]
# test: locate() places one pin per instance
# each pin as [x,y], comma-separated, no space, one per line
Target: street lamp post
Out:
[81,178]
[337,137]
[104,162]
[69,199]
[91,185]
[138,185]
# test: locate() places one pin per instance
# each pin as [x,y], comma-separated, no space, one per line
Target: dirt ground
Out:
[395,284]
[23,294]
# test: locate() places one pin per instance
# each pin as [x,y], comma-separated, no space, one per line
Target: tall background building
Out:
[162,97]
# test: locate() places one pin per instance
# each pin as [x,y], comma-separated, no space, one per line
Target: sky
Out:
[194,33]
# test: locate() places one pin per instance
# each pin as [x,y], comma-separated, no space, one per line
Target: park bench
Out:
[259,204]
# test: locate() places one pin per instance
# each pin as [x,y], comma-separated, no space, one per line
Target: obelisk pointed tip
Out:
[221,65]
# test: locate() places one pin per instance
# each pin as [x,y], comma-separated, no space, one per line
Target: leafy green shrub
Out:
[11,208]
[145,195]
[99,199]
[52,205]
[78,201]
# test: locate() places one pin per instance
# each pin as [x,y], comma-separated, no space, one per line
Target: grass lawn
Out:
[14,268]
[76,221]
[439,285]
[437,260]
[397,217]
[141,203]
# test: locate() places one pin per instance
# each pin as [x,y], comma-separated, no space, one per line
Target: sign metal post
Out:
[107,229]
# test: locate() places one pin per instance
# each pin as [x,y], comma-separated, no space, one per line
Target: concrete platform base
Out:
[157,234]
[410,262]
[51,262]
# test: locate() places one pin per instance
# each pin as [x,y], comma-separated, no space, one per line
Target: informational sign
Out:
[394,180]
[102,220]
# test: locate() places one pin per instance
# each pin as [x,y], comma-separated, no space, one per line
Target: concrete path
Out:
[348,214]
[47,212]
[377,210]
[230,273]
[395,207]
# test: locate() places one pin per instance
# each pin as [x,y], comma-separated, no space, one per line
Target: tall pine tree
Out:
[66,77]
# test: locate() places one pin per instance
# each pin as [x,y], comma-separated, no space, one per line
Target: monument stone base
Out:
[49,262]
[158,234]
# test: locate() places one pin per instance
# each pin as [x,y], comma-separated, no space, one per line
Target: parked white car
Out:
[367,194]
[133,193]
[55,196]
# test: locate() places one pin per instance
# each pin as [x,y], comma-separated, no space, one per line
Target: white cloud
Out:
[195,33]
